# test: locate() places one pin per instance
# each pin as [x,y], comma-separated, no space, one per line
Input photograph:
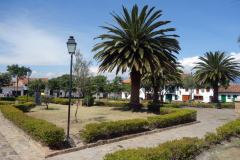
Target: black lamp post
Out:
[29,74]
[71,45]
[164,76]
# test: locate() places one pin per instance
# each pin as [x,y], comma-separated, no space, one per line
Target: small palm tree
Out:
[138,45]
[216,68]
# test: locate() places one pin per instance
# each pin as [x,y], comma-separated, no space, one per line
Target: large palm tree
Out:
[216,68]
[136,44]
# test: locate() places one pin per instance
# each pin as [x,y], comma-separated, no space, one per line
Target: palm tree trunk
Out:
[155,95]
[215,93]
[135,79]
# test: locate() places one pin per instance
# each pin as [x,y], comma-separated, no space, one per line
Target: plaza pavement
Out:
[210,120]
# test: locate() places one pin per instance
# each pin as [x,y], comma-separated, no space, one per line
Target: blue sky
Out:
[34,33]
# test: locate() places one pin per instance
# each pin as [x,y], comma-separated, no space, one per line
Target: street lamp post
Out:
[71,45]
[29,74]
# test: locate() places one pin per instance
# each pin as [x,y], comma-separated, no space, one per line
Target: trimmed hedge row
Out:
[118,99]
[7,98]
[24,98]
[96,131]
[62,101]
[185,148]
[40,130]
[25,107]
[6,102]
[156,107]
[112,104]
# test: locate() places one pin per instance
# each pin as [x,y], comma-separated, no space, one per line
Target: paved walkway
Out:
[13,145]
[12,141]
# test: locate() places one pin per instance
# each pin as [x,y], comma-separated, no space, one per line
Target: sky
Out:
[34,33]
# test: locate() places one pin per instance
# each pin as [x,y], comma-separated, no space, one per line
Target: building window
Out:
[25,84]
[229,96]
[208,89]
[186,89]
[197,91]
[176,97]
[0,90]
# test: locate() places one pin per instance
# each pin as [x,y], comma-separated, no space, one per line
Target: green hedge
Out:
[118,99]
[173,116]
[200,105]
[185,148]
[88,101]
[96,131]
[6,103]
[62,101]
[40,130]
[7,98]
[24,98]
[25,107]
[112,104]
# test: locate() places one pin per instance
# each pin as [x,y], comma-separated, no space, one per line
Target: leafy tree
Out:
[81,71]
[46,99]
[191,84]
[100,83]
[216,68]
[88,90]
[146,84]
[117,85]
[64,83]
[18,72]
[127,89]
[54,84]
[37,84]
[136,44]
[5,79]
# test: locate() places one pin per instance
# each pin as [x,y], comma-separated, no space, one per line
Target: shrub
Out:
[154,107]
[40,130]
[25,107]
[88,101]
[95,131]
[24,98]
[7,98]
[177,116]
[112,104]
[46,99]
[62,101]
[6,103]
[185,148]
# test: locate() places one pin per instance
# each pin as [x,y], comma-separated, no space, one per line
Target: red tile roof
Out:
[126,80]
[25,80]
[184,75]
[15,85]
[233,88]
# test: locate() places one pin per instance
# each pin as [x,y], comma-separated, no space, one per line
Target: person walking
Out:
[7,94]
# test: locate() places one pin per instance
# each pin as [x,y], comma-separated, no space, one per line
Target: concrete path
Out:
[15,146]
[210,120]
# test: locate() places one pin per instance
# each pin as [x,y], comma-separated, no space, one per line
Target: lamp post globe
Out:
[71,45]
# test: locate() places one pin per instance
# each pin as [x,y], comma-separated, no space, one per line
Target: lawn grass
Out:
[58,114]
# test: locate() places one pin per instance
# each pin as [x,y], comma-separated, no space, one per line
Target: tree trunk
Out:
[215,93]
[17,87]
[155,95]
[135,80]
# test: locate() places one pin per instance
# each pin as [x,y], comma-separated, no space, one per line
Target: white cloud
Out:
[23,43]
[236,56]
[110,76]
[46,75]
[189,63]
